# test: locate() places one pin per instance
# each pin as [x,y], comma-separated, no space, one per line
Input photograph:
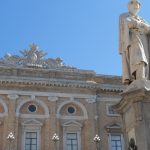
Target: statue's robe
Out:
[134,47]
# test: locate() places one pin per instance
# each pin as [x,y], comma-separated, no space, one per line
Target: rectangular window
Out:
[111,111]
[72,141]
[116,142]
[31,141]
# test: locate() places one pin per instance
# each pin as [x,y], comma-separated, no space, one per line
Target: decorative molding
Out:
[53,98]
[35,116]
[113,125]
[71,117]
[50,82]
[29,116]
[48,94]
[72,98]
[32,122]
[109,98]
[32,97]
[13,96]
[72,123]
[91,101]
[85,114]
[112,87]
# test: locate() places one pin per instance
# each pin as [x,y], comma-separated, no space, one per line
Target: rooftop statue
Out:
[33,58]
[134,44]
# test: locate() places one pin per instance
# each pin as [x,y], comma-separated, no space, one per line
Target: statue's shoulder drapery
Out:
[124,42]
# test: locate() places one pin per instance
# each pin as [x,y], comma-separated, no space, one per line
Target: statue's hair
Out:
[134,1]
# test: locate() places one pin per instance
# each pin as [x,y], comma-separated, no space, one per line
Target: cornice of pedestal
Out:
[138,91]
[128,99]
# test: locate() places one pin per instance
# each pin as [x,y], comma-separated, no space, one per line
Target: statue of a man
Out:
[132,145]
[134,44]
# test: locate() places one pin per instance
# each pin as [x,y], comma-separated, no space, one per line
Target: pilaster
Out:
[12,120]
[53,118]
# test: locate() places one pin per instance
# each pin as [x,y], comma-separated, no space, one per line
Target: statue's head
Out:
[134,7]
[132,143]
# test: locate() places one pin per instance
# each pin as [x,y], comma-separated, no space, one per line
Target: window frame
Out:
[24,138]
[72,127]
[72,140]
[108,113]
[33,105]
[31,126]
[75,110]
[110,139]
[30,139]
[78,139]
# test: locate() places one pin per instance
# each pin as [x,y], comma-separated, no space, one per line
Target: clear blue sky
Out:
[84,33]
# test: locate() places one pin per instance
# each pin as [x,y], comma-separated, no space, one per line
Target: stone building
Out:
[40,97]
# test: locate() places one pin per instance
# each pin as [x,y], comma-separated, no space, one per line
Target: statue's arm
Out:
[131,23]
[145,26]
[134,24]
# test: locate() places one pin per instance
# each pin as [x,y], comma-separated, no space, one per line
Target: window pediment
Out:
[32,122]
[72,123]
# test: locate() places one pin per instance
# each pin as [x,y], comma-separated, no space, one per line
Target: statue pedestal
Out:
[135,110]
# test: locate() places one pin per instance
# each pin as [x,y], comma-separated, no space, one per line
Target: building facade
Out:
[40,97]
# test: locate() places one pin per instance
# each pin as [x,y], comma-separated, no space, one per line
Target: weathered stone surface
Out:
[135,107]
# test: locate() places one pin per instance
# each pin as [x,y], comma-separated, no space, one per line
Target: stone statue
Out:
[34,57]
[134,44]
[132,145]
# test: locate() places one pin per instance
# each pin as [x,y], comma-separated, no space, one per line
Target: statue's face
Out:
[134,7]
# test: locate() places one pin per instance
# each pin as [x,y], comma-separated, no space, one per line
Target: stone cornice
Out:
[5,80]
[46,82]
[112,87]
[128,98]
[59,83]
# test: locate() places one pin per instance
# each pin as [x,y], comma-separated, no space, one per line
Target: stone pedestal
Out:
[135,110]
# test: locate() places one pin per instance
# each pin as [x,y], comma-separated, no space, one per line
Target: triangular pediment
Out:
[114,126]
[32,122]
[72,123]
